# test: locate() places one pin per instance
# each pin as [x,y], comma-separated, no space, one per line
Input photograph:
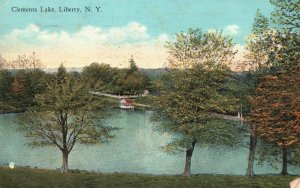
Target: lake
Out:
[135,149]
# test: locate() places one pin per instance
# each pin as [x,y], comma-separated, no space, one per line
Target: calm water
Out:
[135,149]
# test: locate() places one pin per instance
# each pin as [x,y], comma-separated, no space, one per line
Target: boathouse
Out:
[127,104]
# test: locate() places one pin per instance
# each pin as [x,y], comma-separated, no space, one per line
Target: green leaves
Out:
[287,14]
[210,49]
[66,114]
[195,86]
[259,44]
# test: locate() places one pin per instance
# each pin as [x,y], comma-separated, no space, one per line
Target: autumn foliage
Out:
[277,108]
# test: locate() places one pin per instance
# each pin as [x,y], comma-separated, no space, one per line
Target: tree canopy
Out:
[275,102]
[286,14]
[66,114]
[194,89]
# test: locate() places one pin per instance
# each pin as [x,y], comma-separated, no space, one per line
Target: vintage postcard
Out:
[145,93]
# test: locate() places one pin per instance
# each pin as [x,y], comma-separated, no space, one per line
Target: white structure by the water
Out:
[127,104]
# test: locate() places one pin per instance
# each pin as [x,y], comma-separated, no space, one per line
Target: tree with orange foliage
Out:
[277,111]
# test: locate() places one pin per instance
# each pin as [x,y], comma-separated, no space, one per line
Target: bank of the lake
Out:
[32,178]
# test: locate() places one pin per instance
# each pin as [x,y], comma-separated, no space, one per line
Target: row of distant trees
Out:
[196,86]
[115,80]
[21,82]
[22,62]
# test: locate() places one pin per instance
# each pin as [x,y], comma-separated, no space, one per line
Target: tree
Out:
[16,88]
[258,45]
[194,47]
[258,49]
[132,66]
[26,80]
[98,76]
[194,90]
[25,62]
[25,85]
[65,115]
[157,86]
[287,40]
[61,76]
[134,81]
[277,111]
[6,79]
[271,154]
[278,85]
[286,14]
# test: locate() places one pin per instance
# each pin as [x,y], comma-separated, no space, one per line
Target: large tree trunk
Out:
[284,170]
[188,159]
[252,148]
[64,167]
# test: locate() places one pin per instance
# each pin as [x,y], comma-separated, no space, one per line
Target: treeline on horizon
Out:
[20,82]
[18,86]
[187,97]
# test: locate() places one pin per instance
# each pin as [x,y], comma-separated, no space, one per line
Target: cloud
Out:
[133,32]
[89,44]
[232,29]
[162,38]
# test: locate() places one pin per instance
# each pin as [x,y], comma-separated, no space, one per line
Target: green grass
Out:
[33,178]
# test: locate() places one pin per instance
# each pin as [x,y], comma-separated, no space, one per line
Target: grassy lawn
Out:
[25,177]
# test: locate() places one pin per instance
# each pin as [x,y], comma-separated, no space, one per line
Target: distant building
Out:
[127,104]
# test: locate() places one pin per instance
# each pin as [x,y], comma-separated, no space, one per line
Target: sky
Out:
[118,30]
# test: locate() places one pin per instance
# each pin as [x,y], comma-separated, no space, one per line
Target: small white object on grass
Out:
[11,165]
